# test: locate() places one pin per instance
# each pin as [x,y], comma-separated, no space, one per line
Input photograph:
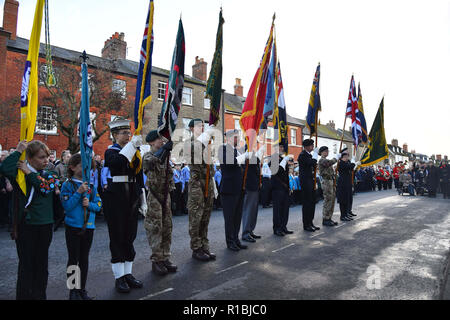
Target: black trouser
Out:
[266,191]
[232,214]
[389,183]
[78,247]
[445,189]
[280,209]
[385,185]
[345,209]
[185,198]
[309,203]
[32,249]
[380,184]
[396,183]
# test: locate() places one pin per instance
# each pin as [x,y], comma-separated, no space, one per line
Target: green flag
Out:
[214,84]
[377,149]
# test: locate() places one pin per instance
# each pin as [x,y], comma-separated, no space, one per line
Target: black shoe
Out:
[132,281]
[248,238]
[212,256]
[328,223]
[159,268]
[241,246]
[199,254]
[316,228]
[279,233]
[84,295]
[170,266]
[286,231]
[233,247]
[345,218]
[254,236]
[334,222]
[309,228]
[352,214]
[122,285]
[74,294]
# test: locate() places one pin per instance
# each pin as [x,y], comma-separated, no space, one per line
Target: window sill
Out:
[46,133]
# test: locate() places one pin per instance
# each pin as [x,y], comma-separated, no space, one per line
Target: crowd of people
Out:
[126,185]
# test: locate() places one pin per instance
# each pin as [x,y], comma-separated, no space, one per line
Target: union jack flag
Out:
[353,113]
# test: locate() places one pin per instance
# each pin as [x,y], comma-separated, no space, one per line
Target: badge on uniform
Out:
[66,197]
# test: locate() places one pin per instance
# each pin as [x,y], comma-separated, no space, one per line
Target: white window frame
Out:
[161,90]
[120,86]
[206,101]
[293,133]
[39,120]
[187,92]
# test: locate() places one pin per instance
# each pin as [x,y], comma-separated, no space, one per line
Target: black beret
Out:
[344,151]
[152,136]
[193,121]
[322,149]
[308,142]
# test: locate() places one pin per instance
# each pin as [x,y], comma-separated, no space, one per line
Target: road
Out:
[396,248]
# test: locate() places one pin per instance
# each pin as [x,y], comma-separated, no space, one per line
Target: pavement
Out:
[397,248]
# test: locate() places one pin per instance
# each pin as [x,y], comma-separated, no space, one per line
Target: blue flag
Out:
[314,105]
[85,128]
[270,92]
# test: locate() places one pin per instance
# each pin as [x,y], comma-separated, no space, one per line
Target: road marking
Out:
[232,267]
[155,294]
[317,234]
[342,224]
[289,245]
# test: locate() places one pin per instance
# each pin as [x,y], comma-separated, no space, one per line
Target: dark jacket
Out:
[253,174]
[232,173]
[306,165]
[344,181]
[432,177]
[280,177]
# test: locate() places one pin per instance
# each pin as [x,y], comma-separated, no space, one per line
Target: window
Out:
[120,86]
[187,96]
[294,137]
[46,120]
[206,101]
[161,90]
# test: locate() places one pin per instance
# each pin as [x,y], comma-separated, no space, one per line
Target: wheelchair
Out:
[404,189]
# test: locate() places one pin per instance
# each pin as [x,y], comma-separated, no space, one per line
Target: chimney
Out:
[199,69]
[238,88]
[394,142]
[405,147]
[331,124]
[115,47]
[10,11]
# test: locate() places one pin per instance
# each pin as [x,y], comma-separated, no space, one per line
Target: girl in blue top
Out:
[80,204]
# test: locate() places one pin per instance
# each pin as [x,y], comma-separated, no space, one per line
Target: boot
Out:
[199,254]
[122,285]
[74,295]
[132,281]
[159,268]
[84,296]
[212,256]
[170,266]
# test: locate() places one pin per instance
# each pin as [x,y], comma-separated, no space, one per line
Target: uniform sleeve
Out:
[149,162]
[69,199]
[115,160]
[9,165]
[96,204]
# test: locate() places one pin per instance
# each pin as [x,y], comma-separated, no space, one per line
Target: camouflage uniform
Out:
[327,173]
[158,224]
[198,206]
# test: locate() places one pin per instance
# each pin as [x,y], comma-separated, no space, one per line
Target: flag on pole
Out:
[214,83]
[377,149]
[270,92]
[352,112]
[29,91]
[174,90]
[85,128]
[143,85]
[280,112]
[252,113]
[314,105]
[362,118]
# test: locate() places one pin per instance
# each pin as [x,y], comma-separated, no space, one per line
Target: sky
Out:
[396,49]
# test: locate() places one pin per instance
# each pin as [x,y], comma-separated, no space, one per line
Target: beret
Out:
[193,121]
[322,149]
[152,136]
[308,142]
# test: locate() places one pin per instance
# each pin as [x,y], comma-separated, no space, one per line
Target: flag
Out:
[352,112]
[143,85]
[280,112]
[252,113]
[362,118]
[377,149]
[314,105]
[29,91]
[214,83]
[85,128]
[174,90]
[270,92]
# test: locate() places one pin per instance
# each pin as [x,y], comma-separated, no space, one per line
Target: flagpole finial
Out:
[84,56]
[273,18]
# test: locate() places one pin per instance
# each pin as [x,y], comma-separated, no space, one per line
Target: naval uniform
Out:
[306,173]
[280,193]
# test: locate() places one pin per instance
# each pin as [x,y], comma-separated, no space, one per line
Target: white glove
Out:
[337,156]
[143,208]
[315,155]
[284,162]
[358,163]
[137,141]
[353,160]
[128,151]
[261,151]
[241,159]
[205,137]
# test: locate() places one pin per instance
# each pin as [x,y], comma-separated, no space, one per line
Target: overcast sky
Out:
[399,49]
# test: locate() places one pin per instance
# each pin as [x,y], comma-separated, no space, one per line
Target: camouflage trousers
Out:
[158,227]
[329,195]
[199,210]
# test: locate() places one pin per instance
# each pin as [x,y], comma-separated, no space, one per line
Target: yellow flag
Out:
[29,92]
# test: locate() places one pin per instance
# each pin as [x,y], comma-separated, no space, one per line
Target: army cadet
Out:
[307,163]
[122,202]
[327,173]
[200,191]
[158,219]
[344,185]
[280,191]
